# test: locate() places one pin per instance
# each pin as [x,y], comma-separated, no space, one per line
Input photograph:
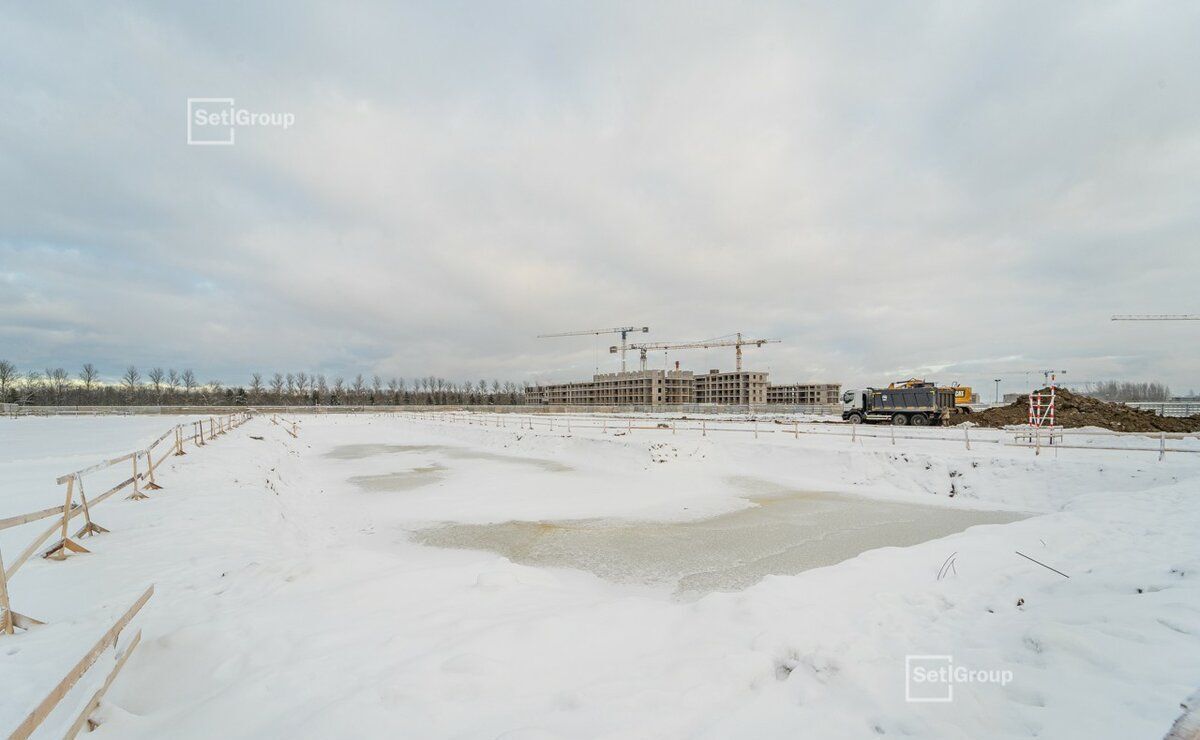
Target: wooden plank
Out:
[94,702]
[37,543]
[39,714]
[93,468]
[20,519]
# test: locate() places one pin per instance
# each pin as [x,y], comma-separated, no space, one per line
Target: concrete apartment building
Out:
[797,394]
[679,388]
[642,388]
[733,389]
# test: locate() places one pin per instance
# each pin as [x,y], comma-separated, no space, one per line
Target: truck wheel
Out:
[855,418]
[920,420]
[899,420]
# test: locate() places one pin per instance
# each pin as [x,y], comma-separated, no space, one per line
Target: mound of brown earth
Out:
[1072,410]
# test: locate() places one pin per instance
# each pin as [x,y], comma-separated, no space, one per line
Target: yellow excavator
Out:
[963,394]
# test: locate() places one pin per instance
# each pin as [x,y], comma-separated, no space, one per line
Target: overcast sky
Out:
[948,189]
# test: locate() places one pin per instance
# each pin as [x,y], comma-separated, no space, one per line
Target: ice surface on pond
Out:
[785,532]
[403,481]
[360,451]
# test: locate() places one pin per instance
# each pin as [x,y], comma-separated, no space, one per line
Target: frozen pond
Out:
[361,451]
[786,532]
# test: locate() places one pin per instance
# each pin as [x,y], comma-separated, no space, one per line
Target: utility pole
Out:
[997,390]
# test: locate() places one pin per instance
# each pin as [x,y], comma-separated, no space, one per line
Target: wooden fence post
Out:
[8,618]
[59,551]
[795,430]
[89,528]
[152,485]
[137,494]
[967,436]
[1162,445]
[179,440]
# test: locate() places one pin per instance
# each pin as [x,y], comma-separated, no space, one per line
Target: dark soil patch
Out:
[1073,410]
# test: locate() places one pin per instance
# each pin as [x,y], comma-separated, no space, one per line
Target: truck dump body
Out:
[927,399]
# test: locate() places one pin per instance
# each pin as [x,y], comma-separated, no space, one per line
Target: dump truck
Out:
[919,406]
[963,394]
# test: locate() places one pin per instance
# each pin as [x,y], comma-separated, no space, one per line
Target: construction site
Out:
[673,388]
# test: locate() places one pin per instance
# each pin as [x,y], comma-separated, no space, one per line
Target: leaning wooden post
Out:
[89,528]
[137,494]
[179,440]
[152,485]
[629,426]
[200,426]
[967,436]
[1162,445]
[8,618]
[59,551]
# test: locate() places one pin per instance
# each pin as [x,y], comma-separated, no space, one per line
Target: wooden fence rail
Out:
[142,478]
[1038,440]
[47,705]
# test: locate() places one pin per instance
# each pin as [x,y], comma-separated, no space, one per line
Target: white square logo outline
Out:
[191,141]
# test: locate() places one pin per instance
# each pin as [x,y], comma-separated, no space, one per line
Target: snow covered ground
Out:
[292,599]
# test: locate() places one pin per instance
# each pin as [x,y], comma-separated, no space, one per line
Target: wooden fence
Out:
[1038,440]
[142,465]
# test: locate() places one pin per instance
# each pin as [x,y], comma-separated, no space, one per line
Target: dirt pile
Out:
[1073,410]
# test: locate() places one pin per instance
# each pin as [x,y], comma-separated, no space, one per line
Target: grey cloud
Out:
[886,188]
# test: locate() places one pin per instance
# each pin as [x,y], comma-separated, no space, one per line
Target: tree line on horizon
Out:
[158,387]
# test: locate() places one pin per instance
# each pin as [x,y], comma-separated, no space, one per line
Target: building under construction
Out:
[801,394]
[680,387]
[677,387]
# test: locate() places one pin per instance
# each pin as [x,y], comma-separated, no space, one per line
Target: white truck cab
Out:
[854,400]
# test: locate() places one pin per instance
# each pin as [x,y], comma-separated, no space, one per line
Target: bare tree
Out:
[277,387]
[89,375]
[377,387]
[173,381]
[359,384]
[256,385]
[157,376]
[60,381]
[189,381]
[291,385]
[131,379]
[322,388]
[301,382]
[31,387]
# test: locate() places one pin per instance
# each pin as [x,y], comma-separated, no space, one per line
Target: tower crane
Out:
[624,331]
[737,343]
[1156,317]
